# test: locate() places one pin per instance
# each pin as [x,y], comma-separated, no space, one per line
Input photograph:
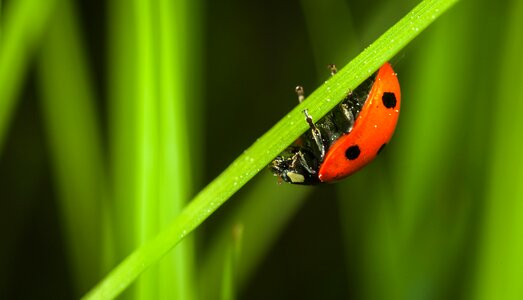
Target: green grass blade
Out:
[175,181]
[75,142]
[133,130]
[146,185]
[500,262]
[122,112]
[22,27]
[152,76]
[256,157]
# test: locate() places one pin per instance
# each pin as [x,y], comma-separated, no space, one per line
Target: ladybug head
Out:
[294,169]
[282,168]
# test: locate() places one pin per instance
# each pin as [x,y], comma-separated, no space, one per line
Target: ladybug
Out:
[348,137]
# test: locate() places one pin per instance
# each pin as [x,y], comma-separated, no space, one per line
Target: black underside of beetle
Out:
[300,162]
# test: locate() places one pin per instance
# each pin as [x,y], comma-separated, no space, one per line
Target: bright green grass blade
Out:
[132,130]
[176,57]
[270,144]
[22,27]
[264,198]
[122,128]
[150,128]
[500,271]
[146,181]
[74,138]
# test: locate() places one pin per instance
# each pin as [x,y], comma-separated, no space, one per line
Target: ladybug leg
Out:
[347,113]
[316,135]
[349,116]
[332,68]
[299,157]
[300,93]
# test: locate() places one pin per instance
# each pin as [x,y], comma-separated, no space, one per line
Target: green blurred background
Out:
[115,113]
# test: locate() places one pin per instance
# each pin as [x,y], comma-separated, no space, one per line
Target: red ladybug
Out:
[348,137]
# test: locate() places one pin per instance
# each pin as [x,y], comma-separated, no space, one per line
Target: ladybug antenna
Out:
[332,68]
[300,93]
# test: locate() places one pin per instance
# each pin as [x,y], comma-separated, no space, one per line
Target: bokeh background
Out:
[99,98]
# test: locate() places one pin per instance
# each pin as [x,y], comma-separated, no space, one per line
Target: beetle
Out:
[348,137]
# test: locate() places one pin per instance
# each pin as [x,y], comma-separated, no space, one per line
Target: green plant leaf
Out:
[75,143]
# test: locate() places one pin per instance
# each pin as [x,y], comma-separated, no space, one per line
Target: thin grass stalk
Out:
[175,179]
[256,157]
[146,185]
[74,138]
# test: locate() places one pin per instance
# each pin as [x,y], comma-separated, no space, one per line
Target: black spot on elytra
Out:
[381,148]
[389,100]
[352,152]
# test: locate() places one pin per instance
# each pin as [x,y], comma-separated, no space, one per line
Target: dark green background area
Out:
[439,215]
